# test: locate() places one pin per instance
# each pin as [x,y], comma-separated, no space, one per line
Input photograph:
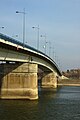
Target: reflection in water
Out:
[60,104]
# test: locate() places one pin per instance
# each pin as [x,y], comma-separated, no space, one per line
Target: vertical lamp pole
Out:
[37,36]
[45,42]
[23,24]
[53,53]
[49,49]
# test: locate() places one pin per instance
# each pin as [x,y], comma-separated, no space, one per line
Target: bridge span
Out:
[20,72]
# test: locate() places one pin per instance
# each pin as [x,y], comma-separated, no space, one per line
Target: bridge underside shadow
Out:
[20,80]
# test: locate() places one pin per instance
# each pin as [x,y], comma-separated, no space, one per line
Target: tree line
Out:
[73,73]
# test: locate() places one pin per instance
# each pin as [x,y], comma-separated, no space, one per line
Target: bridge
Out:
[21,68]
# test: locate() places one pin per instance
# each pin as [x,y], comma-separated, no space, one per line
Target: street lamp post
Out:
[23,24]
[45,42]
[49,48]
[53,53]
[37,36]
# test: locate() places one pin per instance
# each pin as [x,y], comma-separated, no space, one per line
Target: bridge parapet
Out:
[16,52]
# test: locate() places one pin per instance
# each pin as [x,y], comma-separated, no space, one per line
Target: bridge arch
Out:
[29,60]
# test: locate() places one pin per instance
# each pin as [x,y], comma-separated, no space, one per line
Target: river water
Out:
[60,104]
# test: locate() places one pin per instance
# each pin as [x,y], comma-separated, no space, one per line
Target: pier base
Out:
[49,80]
[18,81]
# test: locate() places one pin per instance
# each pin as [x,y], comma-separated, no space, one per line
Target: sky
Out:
[59,20]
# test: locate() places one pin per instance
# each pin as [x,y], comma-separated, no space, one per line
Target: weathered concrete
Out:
[49,80]
[18,81]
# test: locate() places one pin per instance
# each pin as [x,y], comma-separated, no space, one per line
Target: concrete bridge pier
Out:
[18,81]
[50,80]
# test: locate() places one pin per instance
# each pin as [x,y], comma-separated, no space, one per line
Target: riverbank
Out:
[69,82]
